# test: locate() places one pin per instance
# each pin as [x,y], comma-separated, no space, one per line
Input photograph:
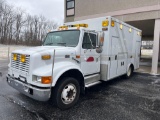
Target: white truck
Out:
[75,56]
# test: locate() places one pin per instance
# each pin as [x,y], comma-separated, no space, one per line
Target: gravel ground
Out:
[137,98]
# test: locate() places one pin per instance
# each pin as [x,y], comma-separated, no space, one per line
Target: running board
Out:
[92,84]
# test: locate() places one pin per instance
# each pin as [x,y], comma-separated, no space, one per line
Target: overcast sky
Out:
[51,9]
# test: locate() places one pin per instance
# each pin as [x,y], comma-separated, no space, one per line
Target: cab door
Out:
[90,59]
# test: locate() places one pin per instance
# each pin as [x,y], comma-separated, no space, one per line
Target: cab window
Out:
[89,41]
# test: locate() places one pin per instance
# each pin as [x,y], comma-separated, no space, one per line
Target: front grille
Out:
[18,65]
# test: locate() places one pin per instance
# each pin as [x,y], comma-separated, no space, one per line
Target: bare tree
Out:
[17,27]
[6,16]
[19,23]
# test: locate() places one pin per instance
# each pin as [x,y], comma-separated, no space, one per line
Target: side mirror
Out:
[100,38]
[100,42]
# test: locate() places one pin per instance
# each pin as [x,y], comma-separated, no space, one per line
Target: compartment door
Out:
[137,54]
[114,57]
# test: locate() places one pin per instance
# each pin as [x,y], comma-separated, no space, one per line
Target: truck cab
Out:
[73,57]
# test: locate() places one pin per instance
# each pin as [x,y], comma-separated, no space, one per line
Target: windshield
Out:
[68,38]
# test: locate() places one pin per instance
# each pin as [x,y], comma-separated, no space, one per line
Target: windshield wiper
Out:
[62,43]
[71,46]
[49,44]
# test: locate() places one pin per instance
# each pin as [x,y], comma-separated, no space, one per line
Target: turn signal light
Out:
[46,80]
[46,57]
[23,58]
[14,57]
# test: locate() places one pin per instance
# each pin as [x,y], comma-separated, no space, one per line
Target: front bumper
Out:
[40,94]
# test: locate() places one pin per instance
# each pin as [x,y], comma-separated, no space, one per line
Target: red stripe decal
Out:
[90,59]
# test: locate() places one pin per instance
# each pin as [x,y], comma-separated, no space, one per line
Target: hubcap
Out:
[69,93]
[129,71]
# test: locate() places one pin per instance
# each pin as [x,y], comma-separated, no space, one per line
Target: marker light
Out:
[130,30]
[46,57]
[63,27]
[121,26]
[139,33]
[46,80]
[78,56]
[112,23]
[23,58]
[81,25]
[105,23]
[14,57]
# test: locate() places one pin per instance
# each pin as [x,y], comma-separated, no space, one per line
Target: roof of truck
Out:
[94,22]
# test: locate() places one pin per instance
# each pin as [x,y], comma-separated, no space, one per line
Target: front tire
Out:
[66,93]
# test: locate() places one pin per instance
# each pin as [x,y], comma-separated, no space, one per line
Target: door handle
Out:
[122,63]
[116,57]
[96,59]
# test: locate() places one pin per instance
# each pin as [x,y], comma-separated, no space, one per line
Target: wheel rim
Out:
[68,94]
[129,71]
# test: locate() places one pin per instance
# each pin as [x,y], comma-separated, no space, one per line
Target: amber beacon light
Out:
[105,23]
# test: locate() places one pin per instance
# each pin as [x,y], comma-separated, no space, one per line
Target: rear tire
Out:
[129,72]
[66,93]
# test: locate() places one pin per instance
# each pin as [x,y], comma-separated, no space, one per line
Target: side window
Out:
[89,41]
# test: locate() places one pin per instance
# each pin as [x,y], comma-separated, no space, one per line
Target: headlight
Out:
[43,79]
[23,58]
[14,57]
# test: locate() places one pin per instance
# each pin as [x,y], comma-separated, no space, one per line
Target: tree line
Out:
[20,28]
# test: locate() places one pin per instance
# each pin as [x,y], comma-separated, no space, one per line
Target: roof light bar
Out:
[76,25]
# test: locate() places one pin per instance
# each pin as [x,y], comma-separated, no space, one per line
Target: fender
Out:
[129,65]
[43,70]
[62,67]
[58,70]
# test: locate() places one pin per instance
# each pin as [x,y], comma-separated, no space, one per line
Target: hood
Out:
[42,49]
